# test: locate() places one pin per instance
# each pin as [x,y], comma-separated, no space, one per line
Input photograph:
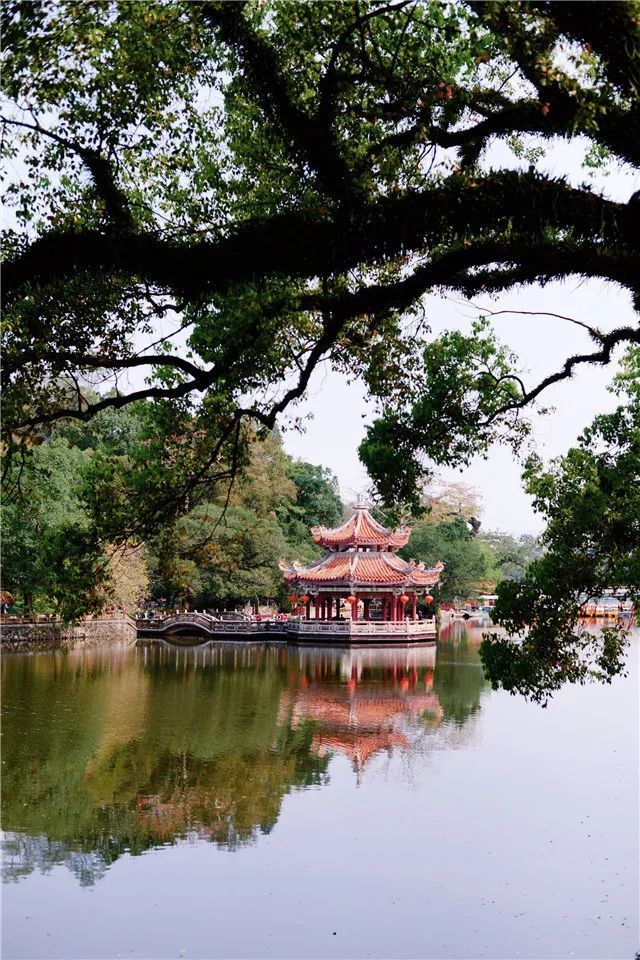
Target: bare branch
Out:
[596,334]
[603,356]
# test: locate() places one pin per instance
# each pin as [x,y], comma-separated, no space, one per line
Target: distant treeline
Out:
[223,547]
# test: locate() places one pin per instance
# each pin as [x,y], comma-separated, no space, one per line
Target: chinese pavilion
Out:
[361,568]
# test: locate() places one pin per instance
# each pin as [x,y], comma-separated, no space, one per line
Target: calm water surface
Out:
[270,802]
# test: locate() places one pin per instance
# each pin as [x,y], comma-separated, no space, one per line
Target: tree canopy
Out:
[591,500]
[207,200]
[468,562]
[57,548]
[211,198]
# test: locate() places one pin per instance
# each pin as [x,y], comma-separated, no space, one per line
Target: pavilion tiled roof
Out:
[361,530]
[361,553]
[360,725]
[353,568]
[335,710]
[358,747]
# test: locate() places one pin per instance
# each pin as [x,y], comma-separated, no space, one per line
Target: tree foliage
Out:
[448,501]
[210,199]
[512,554]
[51,559]
[58,549]
[468,562]
[282,183]
[591,501]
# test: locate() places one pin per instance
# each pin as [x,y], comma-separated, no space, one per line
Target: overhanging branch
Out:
[600,357]
[296,245]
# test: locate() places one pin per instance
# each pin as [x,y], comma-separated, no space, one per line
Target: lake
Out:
[265,801]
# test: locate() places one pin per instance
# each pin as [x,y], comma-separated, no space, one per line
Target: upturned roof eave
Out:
[350,584]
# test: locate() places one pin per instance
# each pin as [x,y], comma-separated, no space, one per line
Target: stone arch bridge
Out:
[202,625]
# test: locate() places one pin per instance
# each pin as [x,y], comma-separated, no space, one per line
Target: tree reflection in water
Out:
[106,753]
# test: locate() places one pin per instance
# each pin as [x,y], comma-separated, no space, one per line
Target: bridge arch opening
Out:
[186,638]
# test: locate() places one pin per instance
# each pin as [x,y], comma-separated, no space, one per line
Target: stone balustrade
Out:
[372,628]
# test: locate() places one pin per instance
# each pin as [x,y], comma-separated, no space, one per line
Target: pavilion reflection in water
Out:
[169,744]
[365,715]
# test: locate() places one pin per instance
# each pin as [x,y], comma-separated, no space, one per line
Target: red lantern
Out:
[352,600]
[304,598]
[429,598]
[293,598]
[404,598]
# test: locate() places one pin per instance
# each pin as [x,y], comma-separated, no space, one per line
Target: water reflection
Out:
[107,753]
[364,713]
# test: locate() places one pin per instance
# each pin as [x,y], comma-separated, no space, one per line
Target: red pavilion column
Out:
[337,608]
[317,606]
[354,609]
[392,615]
[366,604]
[308,610]
[414,607]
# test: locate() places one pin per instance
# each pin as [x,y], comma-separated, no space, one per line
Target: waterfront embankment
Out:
[97,632]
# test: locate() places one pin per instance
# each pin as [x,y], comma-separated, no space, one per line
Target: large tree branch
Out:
[562,97]
[527,263]
[609,341]
[601,25]
[298,246]
[85,412]
[449,269]
[77,360]
[115,200]
[335,319]
[557,115]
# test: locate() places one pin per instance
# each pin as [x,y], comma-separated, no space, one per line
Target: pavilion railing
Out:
[362,628]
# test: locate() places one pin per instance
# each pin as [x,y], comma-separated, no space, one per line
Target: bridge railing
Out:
[202,621]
